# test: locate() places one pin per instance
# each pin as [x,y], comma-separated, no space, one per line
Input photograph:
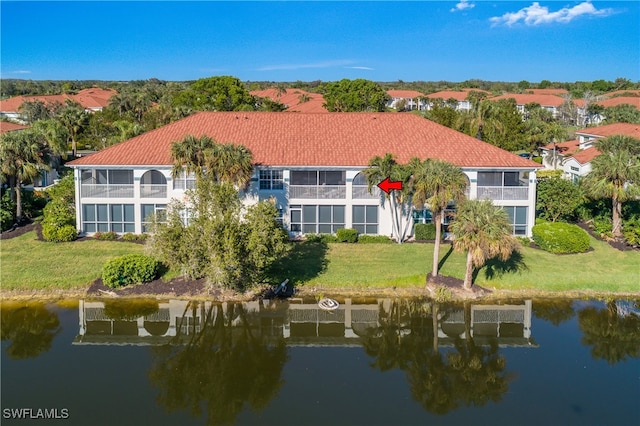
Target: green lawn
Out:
[26,264]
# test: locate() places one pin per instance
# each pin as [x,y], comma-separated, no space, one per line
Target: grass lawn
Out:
[26,263]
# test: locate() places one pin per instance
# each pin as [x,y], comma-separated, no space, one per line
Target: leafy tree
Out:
[484,232]
[558,198]
[355,95]
[216,94]
[623,113]
[216,371]
[544,84]
[612,336]
[381,168]
[59,223]
[33,111]
[442,113]
[23,154]
[615,174]
[30,328]
[437,184]
[556,311]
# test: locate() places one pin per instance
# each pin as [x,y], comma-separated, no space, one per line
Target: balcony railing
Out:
[362,192]
[508,193]
[153,191]
[318,191]
[106,191]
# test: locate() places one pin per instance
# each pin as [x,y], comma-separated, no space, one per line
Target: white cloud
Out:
[362,68]
[463,5]
[326,64]
[537,15]
[20,72]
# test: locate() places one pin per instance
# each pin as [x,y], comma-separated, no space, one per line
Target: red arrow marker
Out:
[387,185]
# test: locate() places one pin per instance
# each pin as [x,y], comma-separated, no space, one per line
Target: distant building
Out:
[459,96]
[408,99]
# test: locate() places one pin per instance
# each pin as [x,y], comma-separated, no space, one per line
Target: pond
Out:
[370,362]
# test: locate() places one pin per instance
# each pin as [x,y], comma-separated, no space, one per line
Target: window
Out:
[518,218]
[314,177]
[312,219]
[149,211]
[575,169]
[107,177]
[498,178]
[271,179]
[108,217]
[185,181]
[422,216]
[365,219]
[153,177]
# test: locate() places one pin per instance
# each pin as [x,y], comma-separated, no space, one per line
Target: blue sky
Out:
[288,41]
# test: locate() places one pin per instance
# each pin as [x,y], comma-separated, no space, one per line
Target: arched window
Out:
[153,177]
[153,184]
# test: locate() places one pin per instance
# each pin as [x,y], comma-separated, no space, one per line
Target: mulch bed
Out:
[27,226]
[176,287]
[616,244]
[456,286]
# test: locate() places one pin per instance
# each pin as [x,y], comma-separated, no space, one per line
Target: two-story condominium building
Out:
[408,99]
[309,164]
[457,97]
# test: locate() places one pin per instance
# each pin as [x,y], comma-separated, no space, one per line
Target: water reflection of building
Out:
[300,323]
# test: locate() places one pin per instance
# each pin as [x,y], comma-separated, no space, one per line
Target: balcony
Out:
[106,191]
[362,192]
[317,191]
[507,193]
[153,191]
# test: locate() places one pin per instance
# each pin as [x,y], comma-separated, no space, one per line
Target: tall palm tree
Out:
[484,232]
[189,155]
[381,168]
[615,174]
[54,133]
[23,154]
[74,118]
[437,183]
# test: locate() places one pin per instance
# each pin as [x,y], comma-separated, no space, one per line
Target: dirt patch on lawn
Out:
[455,286]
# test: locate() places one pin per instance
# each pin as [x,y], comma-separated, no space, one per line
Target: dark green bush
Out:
[424,231]
[7,207]
[374,239]
[321,238]
[347,235]
[561,237]
[129,269]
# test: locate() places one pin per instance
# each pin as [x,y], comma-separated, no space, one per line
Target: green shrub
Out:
[129,269]
[347,235]
[557,237]
[631,230]
[374,239]
[7,207]
[424,231]
[107,236]
[60,234]
[59,222]
[321,238]
[525,241]
[134,237]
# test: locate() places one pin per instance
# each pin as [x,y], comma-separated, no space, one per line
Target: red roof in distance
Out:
[523,99]
[294,99]
[333,140]
[92,98]
[6,126]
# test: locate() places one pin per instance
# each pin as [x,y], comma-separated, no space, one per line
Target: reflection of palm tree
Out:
[612,337]
[224,365]
[31,329]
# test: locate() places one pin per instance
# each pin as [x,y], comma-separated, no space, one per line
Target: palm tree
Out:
[484,232]
[615,174]
[381,168]
[54,133]
[189,155]
[437,183]
[74,118]
[23,154]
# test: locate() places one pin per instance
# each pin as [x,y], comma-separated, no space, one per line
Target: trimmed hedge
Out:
[60,234]
[558,237]
[424,231]
[129,269]
[347,235]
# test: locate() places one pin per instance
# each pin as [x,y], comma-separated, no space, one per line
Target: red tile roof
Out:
[291,98]
[523,99]
[91,98]
[631,100]
[564,147]
[612,129]
[6,126]
[621,92]
[458,95]
[547,91]
[585,156]
[337,139]
[408,94]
